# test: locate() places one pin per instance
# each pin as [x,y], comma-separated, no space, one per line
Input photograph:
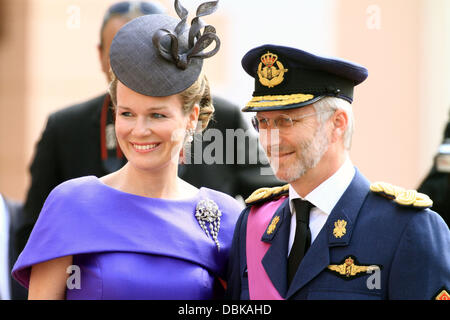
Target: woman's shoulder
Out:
[224,200]
[74,189]
[75,183]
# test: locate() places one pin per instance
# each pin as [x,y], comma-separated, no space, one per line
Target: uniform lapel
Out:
[275,259]
[333,233]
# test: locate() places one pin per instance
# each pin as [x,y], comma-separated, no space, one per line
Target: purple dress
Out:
[130,247]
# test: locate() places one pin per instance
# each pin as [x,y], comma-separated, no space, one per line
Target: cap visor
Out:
[280,102]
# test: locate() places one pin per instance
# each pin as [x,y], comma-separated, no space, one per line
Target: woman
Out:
[140,232]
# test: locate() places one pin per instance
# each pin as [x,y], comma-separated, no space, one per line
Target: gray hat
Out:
[157,55]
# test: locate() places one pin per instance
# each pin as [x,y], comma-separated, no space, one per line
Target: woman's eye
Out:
[126,114]
[157,115]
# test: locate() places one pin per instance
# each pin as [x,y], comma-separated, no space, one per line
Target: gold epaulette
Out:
[407,198]
[265,194]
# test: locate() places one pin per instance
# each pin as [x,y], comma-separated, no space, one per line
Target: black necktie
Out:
[302,239]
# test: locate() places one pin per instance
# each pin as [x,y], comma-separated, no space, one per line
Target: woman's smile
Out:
[144,147]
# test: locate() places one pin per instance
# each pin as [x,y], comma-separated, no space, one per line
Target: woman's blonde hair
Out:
[198,93]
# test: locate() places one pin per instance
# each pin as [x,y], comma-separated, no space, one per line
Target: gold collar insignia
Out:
[270,76]
[339,228]
[273,224]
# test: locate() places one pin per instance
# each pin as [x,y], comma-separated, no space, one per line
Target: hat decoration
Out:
[197,41]
[158,55]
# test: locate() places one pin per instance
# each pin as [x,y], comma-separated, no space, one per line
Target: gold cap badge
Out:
[339,228]
[270,76]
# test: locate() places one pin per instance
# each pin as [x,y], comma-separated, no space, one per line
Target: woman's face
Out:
[151,130]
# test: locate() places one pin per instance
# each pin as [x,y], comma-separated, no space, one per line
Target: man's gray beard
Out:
[311,152]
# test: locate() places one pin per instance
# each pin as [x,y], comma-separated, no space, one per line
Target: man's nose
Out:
[269,137]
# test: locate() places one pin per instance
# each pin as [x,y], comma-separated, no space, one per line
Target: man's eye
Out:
[284,121]
[263,121]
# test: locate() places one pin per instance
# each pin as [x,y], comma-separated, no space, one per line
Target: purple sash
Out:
[260,286]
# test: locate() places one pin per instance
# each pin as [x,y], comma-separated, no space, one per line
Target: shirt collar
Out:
[328,193]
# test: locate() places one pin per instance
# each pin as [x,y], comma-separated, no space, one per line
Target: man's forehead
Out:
[295,111]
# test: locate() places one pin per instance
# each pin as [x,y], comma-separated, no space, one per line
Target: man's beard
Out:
[307,155]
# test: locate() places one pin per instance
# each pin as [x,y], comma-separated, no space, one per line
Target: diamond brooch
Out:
[207,211]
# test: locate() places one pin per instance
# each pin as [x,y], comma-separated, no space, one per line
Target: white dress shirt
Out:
[324,198]
[4,252]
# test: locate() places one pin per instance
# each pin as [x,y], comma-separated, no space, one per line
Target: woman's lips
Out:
[144,147]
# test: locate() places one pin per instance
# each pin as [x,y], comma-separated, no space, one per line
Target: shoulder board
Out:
[266,194]
[403,197]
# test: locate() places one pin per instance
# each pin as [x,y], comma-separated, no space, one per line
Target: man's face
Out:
[295,150]
[109,31]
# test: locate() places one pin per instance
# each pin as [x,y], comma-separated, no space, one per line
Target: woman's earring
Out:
[189,139]
[190,134]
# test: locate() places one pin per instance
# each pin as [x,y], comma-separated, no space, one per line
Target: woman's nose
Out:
[142,127]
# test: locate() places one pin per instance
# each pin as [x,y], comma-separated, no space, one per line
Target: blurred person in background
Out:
[11,218]
[437,182]
[79,140]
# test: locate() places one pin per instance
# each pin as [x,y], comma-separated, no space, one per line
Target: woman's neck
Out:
[162,183]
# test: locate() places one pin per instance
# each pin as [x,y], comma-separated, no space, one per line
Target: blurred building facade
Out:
[48,60]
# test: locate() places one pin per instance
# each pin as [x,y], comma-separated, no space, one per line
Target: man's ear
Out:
[340,123]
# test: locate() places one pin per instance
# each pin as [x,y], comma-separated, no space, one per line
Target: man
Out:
[329,233]
[11,218]
[80,140]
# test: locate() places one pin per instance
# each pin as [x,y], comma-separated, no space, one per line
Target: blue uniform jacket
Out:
[409,246]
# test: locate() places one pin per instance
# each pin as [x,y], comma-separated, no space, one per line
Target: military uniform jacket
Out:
[382,251]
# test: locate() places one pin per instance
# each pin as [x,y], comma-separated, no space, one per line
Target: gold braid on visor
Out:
[282,100]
